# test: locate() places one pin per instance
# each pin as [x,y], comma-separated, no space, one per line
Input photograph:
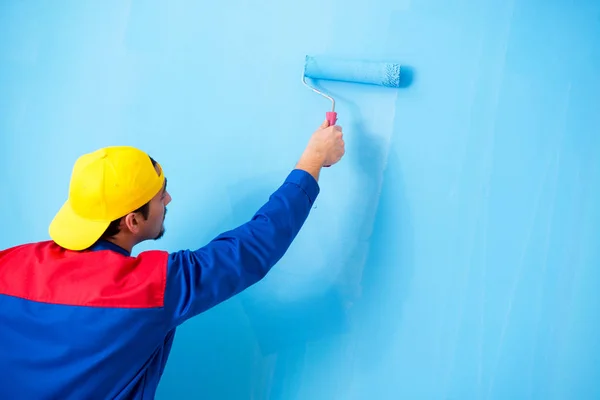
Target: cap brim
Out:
[72,232]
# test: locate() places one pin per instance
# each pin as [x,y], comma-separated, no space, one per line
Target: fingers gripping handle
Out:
[331,117]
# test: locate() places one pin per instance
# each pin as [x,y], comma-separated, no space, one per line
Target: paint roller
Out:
[385,74]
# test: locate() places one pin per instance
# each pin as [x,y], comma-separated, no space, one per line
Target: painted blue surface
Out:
[452,254]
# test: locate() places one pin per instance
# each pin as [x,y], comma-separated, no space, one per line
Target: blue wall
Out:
[453,253]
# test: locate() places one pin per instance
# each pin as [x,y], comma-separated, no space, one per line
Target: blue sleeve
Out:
[236,259]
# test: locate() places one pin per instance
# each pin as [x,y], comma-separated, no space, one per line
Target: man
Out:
[80,318]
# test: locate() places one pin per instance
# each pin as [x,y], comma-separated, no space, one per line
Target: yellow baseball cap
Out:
[105,185]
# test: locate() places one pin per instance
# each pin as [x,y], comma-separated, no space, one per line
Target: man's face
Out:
[158,212]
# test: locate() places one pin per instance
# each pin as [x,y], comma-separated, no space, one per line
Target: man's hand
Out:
[325,148]
[327,143]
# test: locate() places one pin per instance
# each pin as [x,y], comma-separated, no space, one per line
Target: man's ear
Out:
[131,222]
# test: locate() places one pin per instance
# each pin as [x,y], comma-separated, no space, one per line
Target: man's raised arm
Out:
[234,260]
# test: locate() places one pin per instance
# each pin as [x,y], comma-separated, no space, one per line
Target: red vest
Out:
[46,272]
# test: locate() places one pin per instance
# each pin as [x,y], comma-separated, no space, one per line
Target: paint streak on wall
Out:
[452,254]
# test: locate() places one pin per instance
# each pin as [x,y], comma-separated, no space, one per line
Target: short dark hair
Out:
[113,228]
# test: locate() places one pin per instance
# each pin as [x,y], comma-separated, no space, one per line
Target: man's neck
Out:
[128,247]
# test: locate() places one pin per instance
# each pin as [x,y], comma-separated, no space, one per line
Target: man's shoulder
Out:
[50,252]
[45,272]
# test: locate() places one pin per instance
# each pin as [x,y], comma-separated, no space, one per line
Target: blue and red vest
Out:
[99,324]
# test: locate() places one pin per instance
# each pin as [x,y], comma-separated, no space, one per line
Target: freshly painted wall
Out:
[453,253]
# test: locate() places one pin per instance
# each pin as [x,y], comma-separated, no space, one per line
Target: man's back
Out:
[85,323]
[99,323]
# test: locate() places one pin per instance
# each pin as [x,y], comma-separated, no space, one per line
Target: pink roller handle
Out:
[331,117]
